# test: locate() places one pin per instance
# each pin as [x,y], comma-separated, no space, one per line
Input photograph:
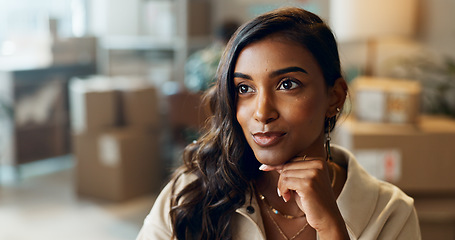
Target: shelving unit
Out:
[192,31]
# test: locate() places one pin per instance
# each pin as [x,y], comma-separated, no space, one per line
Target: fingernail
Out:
[279,193]
[262,167]
[284,199]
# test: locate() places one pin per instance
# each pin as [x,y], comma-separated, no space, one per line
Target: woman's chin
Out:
[271,160]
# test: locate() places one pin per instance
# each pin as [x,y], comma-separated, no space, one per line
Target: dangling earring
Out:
[330,123]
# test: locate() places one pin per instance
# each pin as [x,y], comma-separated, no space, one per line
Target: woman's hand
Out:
[307,181]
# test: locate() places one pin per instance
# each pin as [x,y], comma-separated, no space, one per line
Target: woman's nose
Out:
[266,111]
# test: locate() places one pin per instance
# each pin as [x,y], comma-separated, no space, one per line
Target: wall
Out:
[436,28]
[434,38]
[114,17]
[242,9]
[435,31]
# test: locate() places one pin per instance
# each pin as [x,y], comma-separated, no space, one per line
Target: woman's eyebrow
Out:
[241,75]
[274,73]
[287,70]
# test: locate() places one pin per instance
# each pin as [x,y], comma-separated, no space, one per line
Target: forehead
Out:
[275,52]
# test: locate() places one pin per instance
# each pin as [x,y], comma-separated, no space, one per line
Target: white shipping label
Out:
[384,164]
[371,105]
[109,152]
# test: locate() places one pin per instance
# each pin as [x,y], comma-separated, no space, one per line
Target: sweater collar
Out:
[251,211]
[359,196]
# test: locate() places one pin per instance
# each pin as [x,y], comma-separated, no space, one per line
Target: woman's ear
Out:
[337,97]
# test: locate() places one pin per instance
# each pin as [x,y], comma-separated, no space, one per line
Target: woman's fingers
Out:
[308,182]
[293,163]
[304,181]
[267,168]
[303,171]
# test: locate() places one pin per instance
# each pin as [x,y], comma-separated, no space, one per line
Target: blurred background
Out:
[99,97]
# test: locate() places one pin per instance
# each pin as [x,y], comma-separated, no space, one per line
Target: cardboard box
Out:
[186,110]
[386,100]
[140,107]
[36,142]
[93,105]
[118,164]
[418,159]
[436,217]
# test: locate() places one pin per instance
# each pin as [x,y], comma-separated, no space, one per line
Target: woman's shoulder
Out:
[177,183]
[372,207]
[394,214]
[181,179]
[358,175]
[364,184]
[157,224]
[393,200]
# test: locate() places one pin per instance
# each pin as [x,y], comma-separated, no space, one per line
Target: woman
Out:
[265,168]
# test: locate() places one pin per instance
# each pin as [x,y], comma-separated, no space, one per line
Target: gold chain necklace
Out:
[281,231]
[275,211]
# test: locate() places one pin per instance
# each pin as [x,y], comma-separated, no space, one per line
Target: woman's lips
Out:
[267,139]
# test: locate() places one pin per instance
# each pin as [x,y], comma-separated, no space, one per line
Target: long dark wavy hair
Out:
[221,160]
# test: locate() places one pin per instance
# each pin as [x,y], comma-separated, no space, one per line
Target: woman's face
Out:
[282,100]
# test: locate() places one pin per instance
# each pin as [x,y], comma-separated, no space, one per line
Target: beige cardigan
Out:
[372,209]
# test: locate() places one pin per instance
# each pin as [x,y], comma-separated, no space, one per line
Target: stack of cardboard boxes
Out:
[420,160]
[386,100]
[393,142]
[116,137]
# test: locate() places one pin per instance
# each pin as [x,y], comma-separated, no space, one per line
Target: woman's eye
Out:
[244,89]
[288,85]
